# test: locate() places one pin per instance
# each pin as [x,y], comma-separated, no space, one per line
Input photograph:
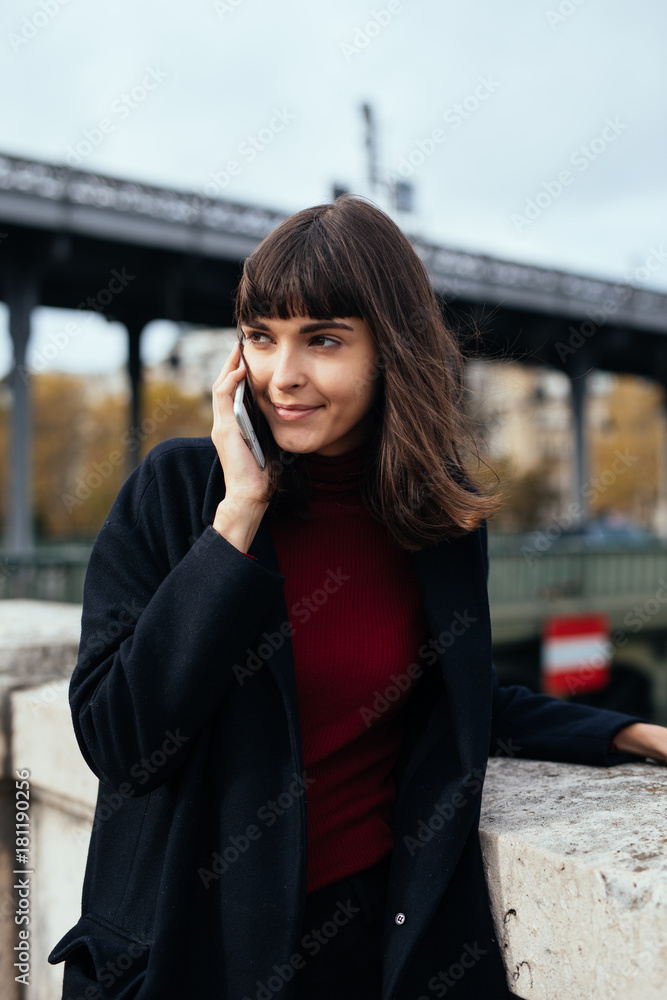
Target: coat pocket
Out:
[100,955]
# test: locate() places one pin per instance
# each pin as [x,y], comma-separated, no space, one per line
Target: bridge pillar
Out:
[135,327]
[660,524]
[577,369]
[21,296]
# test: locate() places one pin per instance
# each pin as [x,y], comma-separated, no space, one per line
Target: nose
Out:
[288,370]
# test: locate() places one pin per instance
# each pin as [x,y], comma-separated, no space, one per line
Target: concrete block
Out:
[576,863]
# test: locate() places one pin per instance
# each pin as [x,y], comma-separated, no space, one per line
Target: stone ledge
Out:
[576,863]
[44,742]
[575,856]
[28,628]
[39,641]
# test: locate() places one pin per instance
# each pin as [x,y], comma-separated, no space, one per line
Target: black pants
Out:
[341,938]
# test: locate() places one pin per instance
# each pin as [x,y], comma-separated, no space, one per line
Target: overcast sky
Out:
[482,105]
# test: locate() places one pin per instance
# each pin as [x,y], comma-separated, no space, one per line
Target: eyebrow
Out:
[320,324]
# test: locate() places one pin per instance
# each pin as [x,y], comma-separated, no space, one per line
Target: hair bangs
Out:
[309,278]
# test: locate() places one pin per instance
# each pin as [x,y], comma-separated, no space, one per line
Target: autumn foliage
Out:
[80,445]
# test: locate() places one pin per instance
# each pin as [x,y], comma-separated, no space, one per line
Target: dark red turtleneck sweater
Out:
[354,605]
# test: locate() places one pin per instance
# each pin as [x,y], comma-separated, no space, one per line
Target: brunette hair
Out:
[348,258]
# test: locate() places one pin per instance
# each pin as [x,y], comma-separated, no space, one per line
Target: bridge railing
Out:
[630,585]
[516,577]
[53,573]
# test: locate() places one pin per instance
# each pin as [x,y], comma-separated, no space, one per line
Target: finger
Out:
[230,363]
[226,389]
[226,385]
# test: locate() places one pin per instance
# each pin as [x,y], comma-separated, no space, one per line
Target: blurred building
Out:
[194,362]
[524,416]
[101,385]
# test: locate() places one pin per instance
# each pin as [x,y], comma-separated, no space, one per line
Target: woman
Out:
[284,682]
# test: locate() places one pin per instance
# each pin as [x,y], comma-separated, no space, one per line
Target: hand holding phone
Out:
[245,472]
[246,428]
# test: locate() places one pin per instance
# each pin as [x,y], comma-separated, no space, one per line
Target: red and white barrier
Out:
[576,654]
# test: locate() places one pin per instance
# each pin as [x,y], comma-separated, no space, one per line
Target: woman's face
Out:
[328,366]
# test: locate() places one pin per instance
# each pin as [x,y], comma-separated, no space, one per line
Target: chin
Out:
[296,443]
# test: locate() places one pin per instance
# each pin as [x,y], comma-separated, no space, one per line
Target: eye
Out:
[323,337]
[249,337]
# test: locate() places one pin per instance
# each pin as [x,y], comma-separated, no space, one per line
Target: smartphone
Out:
[246,428]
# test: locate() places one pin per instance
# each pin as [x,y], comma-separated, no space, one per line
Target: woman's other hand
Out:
[643,738]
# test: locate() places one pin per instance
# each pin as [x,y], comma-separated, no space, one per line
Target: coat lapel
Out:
[281,663]
[452,584]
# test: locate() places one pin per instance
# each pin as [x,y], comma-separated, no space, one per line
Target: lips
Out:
[294,412]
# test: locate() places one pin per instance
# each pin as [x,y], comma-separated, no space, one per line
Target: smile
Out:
[287,414]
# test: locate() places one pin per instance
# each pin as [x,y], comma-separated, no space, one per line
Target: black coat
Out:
[195,879]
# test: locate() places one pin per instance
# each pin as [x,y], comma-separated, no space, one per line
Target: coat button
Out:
[400,918]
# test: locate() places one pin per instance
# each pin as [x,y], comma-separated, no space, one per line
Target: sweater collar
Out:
[335,474]
[336,477]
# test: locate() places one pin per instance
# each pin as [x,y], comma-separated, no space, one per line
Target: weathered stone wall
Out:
[575,856]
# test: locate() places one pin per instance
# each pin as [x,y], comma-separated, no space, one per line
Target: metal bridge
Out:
[136,252]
